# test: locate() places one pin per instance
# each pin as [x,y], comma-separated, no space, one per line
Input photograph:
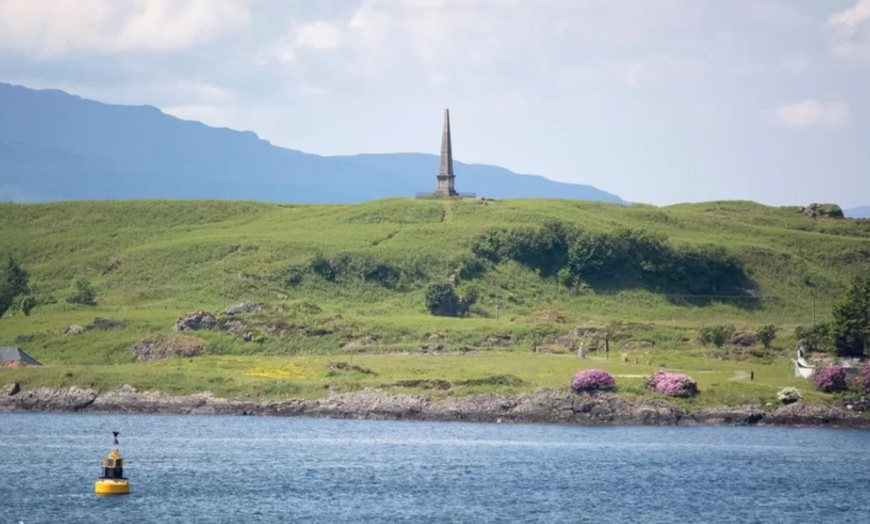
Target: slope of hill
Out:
[183,254]
[334,281]
[56,146]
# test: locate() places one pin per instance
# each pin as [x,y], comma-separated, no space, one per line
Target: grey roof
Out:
[16,355]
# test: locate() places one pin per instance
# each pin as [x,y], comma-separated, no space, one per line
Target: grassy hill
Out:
[154,261]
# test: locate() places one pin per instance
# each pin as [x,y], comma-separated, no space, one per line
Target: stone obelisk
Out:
[445,171]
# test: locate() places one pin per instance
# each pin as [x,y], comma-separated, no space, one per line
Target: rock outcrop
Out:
[542,406]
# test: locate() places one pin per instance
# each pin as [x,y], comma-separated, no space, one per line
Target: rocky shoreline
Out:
[543,406]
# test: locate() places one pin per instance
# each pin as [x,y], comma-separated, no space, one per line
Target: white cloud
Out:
[58,28]
[446,40]
[852,31]
[854,17]
[811,112]
[318,35]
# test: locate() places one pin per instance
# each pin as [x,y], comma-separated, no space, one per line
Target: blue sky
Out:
[658,101]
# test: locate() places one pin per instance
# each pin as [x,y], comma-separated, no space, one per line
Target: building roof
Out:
[16,355]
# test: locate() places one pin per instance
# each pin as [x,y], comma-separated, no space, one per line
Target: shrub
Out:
[831,379]
[27,304]
[83,293]
[442,301]
[816,337]
[766,334]
[862,381]
[716,335]
[592,380]
[673,384]
[789,395]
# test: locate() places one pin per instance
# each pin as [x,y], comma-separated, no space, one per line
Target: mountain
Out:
[858,212]
[57,146]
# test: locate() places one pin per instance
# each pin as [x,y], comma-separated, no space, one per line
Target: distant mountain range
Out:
[858,212]
[57,146]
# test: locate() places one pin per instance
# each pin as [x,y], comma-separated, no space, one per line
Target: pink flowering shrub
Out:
[673,384]
[592,380]
[862,381]
[831,379]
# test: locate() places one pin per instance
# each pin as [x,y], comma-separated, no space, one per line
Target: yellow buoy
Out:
[112,481]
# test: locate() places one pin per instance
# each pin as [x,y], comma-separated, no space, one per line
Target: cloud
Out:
[811,112]
[851,31]
[450,40]
[57,28]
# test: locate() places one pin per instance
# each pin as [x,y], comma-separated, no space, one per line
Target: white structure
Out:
[802,369]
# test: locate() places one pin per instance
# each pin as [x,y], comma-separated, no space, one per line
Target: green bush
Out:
[817,337]
[766,334]
[850,327]
[716,335]
[83,293]
[13,283]
[442,301]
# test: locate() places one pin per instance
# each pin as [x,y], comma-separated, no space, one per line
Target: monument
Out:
[446,177]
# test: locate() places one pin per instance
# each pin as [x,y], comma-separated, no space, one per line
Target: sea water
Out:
[185,468]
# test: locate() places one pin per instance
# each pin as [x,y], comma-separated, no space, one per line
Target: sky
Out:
[657,101]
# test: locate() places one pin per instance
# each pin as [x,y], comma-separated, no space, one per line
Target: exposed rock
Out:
[196,321]
[172,346]
[431,337]
[11,389]
[499,340]
[822,210]
[102,324]
[744,338]
[343,367]
[550,316]
[361,342]
[431,348]
[234,327]
[423,384]
[542,406]
[73,330]
[244,307]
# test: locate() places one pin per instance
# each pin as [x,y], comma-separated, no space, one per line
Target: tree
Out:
[716,335]
[83,294]
[441,300]
[766,334]
[13,283]
[850,327]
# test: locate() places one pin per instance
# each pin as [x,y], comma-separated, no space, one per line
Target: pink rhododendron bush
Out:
[831,379]
[862,381]
[673,384]
[592,380]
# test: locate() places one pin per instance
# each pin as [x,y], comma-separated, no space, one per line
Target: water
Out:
[247,469]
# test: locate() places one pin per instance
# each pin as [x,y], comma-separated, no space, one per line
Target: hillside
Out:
[56,146]
[341,293]
[179,256]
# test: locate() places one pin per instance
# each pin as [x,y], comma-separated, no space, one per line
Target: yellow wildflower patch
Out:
[289,371]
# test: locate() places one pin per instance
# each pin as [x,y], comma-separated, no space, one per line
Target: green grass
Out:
[153,261]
